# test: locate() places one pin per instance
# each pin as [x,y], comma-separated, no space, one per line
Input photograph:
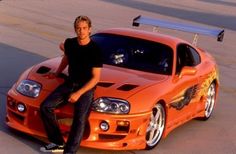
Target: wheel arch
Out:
[164,104]
[217,85]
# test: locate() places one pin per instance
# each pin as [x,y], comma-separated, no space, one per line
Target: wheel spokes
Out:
[157,116]
[156,126]
[151,134]
[210,100]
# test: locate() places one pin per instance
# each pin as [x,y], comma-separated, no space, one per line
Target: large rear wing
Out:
[213,32]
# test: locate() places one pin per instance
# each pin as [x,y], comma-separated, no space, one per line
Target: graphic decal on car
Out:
[207,81]
[185,98]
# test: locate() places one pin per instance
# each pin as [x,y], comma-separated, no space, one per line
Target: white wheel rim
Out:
[156,125]
[210,101]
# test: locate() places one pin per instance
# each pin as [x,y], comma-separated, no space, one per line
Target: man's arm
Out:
[62,66]
[96,73]
[64,60]
[62,46]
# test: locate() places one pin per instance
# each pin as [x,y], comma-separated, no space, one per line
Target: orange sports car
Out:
[151,83]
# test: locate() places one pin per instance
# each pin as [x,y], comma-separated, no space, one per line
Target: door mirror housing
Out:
[187,70]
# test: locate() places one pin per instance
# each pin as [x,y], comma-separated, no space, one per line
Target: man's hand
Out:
[74,97]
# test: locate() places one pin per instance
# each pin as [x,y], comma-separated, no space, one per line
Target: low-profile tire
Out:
[210,101]
[156,126]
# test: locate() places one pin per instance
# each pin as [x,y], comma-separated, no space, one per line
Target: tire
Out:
[210,101]
[156,126]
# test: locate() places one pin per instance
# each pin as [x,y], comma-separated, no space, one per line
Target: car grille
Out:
[109,137]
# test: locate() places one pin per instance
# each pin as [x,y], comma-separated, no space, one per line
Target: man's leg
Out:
[54,100]
[81,112]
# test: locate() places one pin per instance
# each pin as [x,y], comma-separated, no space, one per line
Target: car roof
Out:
[146,35]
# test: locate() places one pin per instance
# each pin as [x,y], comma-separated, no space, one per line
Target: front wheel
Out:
[210,101]
[156,126]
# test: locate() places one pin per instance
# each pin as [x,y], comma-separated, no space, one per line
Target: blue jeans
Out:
[81,111]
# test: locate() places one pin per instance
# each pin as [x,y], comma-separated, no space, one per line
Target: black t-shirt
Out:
[81,60]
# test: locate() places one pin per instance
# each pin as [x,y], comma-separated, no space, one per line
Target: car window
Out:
[186,56]
[134,53]
[195,56]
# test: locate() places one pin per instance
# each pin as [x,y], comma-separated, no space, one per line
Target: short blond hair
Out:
[82,18]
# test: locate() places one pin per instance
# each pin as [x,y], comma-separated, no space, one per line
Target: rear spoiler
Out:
[213,32]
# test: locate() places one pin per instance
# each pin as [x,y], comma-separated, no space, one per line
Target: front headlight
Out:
[29,88]
[111,105]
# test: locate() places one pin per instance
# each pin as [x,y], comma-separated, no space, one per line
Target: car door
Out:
[186,83]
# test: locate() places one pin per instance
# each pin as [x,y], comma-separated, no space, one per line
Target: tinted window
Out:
[186,56]
[133,53]
[195,55]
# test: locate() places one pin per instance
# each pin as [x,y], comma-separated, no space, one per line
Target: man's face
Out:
[82,30]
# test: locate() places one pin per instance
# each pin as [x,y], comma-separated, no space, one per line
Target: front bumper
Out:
[125,132]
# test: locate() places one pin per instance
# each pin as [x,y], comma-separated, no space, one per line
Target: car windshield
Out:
[134,53]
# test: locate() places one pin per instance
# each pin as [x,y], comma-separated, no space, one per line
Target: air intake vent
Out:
[43,70]
[105,84]
[127,87]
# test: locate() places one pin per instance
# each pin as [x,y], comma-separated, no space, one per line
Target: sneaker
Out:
[52,147]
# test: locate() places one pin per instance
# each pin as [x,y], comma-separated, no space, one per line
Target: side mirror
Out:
[187,70]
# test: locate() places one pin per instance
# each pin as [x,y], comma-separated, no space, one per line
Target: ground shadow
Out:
[13,61]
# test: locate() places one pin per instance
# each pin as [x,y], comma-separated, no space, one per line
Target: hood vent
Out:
[43,70]
[105,84]
[127,87]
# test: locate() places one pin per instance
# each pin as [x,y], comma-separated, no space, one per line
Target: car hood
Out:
[114,82]
[122,83]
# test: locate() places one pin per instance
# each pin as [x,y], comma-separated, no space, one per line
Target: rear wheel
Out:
[210,101]
[156,126]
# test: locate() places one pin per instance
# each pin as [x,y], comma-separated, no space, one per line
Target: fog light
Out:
[11,103]
[21,107]
[123,123]
[104,126]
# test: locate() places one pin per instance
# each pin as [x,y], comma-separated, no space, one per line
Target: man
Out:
[84,61]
